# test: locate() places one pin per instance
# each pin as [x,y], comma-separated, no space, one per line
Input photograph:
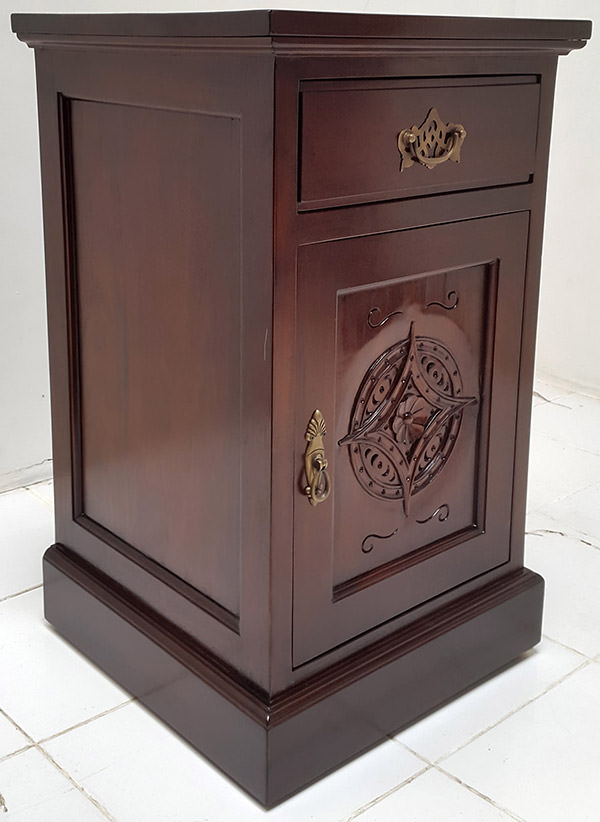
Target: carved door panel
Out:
[408,344]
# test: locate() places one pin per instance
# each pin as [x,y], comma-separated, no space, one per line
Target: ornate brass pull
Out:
[431,143]
[315,464]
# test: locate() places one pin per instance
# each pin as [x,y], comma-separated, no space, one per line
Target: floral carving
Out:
[410,419]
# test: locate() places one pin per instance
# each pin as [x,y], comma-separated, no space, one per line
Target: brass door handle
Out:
[431,143]
[315,463]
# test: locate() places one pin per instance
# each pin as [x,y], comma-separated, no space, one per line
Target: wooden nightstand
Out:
[293,264]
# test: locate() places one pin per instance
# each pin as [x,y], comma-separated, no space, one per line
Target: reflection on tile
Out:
[543,761]
[448,728]
[26,530]
[433,797]
[122,758]
[46,685]
[35,791]
[572,573]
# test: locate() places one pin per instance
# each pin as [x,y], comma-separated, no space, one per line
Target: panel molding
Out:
[162,574]
[396,566]
[485,265]
[210,606]
[372,416]
[271,710]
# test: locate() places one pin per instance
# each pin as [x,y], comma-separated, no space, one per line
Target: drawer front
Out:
[410,352]
[350,130]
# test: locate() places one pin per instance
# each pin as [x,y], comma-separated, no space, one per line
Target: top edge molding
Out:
[47,28]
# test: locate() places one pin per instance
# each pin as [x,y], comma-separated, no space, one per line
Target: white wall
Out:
[568,345]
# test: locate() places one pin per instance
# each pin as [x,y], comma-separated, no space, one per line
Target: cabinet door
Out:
[408,344]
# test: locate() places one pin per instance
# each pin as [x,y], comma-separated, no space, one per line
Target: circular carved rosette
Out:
[405,418]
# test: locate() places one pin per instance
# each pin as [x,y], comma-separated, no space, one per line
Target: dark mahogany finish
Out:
[230,245]
[355,161]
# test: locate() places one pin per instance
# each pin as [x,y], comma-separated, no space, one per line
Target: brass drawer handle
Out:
[431,143]
[315,464]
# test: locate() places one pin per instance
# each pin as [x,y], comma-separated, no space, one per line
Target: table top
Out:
[283,23]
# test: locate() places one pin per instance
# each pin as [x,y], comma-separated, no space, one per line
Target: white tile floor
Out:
[525,745]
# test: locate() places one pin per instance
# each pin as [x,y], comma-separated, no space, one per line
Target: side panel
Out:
[157,180]
[157,248]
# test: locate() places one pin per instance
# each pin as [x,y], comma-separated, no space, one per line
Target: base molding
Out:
[274,745]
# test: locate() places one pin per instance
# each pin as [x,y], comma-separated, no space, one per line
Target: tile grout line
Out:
[552,685]
[431,766]
[567,647]
[516,710]
[411,750]
[562,498]
[98,805]
[555,401]
[85,722]
[77,725]
[540,509]
[565,394]
[33,745]
[566,387]
[483,796]
[10,755]
[29,489]
[576,536]
[24,591]
[17,726]
[363,808]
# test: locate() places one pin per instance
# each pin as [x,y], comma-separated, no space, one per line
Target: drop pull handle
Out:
[315,463]
[432,143]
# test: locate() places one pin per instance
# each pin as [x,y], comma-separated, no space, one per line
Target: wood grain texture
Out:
[293,23]
[155,239]
[159,285]
[198,316]
[348,143]
[418,561]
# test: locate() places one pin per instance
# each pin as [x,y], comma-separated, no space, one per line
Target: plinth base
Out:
[273,746]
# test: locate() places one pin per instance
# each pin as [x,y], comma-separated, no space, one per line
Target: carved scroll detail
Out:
[375,312]
[367,543]
[452,298]
[442,513]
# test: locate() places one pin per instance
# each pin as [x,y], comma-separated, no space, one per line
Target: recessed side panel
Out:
[410,478]
[156,303]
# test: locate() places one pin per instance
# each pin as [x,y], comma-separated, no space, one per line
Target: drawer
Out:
[349,135]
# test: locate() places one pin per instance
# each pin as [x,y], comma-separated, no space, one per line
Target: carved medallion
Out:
[406,418]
